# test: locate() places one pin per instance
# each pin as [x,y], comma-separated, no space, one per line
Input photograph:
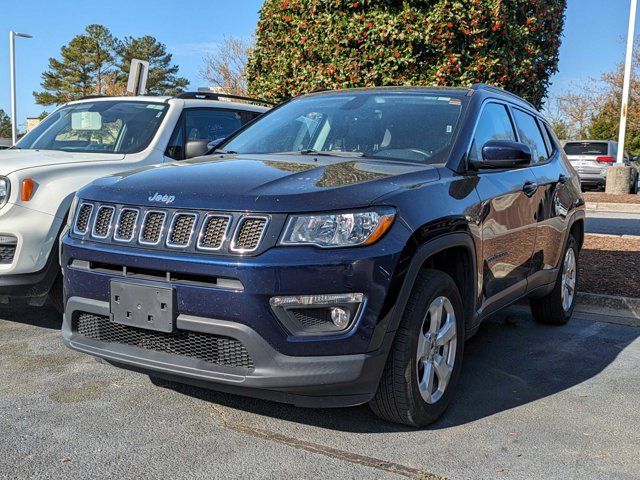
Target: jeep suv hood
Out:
[12,160]
[264,183]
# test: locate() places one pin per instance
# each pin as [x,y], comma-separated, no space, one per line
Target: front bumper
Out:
[331,370]
[318,381]
[34,265]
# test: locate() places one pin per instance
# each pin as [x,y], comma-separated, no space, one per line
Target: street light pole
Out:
[627,82]
[12,68]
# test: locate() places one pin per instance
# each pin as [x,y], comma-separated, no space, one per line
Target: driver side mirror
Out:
[501,154]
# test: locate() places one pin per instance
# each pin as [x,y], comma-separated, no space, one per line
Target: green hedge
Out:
[303,45]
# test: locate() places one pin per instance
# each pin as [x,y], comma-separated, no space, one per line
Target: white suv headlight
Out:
[72,211]
[5,190]
[340,229]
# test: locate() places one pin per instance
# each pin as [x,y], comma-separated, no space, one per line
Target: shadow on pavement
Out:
[512,361]
[43,317]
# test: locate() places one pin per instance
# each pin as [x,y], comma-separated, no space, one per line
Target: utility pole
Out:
[12,68]
[627,82]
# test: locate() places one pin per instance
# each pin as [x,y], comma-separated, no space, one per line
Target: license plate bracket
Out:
[143,306]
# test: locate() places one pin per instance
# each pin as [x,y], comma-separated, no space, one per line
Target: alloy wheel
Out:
[436,351]
[569,274]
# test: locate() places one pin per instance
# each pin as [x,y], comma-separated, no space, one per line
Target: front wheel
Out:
[557,307]
[424,364]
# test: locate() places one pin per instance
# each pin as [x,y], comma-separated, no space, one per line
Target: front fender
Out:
[385,330]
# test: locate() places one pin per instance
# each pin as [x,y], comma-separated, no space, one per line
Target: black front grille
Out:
[182,229]
[249,233]
[7,252]
[84,214]
[152,227]
[215,349]
[103,221]
[214,232]
[126,225]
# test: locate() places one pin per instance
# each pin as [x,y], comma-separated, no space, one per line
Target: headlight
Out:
[5,190]
[72,211]
[340,229]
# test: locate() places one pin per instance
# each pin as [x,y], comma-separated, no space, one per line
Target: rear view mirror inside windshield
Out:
[86,121]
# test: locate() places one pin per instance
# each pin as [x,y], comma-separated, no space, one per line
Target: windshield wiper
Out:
[325,153]
[224,152]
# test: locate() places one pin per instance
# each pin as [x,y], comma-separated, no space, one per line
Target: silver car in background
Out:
[591,158]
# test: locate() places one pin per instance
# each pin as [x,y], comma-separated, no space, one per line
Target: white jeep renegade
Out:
[80,142]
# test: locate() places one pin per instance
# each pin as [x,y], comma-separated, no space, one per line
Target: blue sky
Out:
[593,41]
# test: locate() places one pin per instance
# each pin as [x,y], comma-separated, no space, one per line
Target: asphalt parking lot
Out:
[534,402]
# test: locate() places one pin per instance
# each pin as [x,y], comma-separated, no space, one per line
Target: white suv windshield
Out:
[394,125]
[109,126]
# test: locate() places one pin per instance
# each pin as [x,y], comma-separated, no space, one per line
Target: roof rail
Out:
[87,97]
[218,96]
[491,88]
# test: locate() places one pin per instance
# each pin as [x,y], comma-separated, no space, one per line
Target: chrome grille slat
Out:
[214,231]
[81,225]
[103,221]
[126,225]
[181,230]
[152,227]
[249,234]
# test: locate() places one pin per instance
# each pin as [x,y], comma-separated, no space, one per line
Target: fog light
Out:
[318,315]
[339,317]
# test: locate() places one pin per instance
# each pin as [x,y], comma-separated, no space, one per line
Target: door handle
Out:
[562,179]
[529,188]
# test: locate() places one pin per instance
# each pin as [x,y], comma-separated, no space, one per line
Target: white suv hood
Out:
[13,160]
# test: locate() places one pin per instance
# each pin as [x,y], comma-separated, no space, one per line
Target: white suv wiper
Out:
[326,153]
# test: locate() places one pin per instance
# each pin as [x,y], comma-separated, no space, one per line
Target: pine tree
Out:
[97,63]
[84,65]
[5,125]
[163,78]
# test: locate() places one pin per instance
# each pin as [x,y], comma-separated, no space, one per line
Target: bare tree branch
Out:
[226,67]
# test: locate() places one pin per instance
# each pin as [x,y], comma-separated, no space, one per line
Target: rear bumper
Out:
[592,179]
[313,381]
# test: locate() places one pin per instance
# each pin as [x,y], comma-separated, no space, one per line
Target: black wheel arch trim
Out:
[386,328]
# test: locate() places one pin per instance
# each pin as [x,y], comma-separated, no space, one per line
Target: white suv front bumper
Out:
[36,235]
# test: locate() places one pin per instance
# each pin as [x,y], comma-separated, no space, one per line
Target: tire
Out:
[399,398]
[556,308]
[56,294]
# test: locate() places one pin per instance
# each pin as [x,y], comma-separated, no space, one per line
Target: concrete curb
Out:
[611,235]
[610,305]
[613,207]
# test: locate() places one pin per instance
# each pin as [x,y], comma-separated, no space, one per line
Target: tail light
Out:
[605,159]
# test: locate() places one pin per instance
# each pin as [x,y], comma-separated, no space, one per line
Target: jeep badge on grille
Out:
[158,197]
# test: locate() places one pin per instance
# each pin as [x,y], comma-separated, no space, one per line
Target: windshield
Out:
[112,126]
[390,125]
[586,148]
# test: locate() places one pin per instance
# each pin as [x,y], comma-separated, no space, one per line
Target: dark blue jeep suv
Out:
[339,250]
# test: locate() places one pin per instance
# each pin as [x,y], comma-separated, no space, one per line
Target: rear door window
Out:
[530,135]
[494,124]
